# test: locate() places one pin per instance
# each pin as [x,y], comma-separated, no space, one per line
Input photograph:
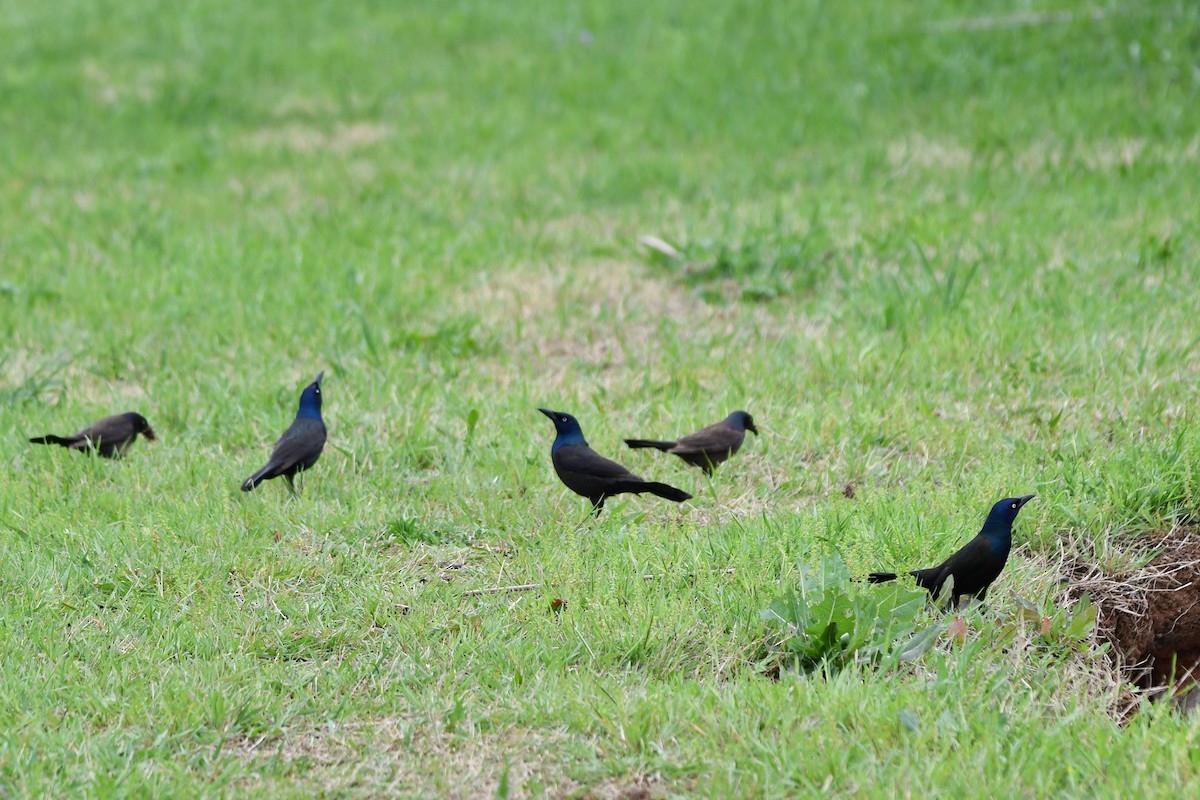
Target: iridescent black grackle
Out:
[590,474]
[301,444]
[977,563]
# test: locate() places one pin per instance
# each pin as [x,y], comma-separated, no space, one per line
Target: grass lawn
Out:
[943,252]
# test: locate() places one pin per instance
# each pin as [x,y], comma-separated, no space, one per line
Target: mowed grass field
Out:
[943,252]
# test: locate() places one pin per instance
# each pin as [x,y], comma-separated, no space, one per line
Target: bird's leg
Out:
[291,485]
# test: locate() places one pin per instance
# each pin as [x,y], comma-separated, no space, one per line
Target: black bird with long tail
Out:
[978,563]
[587,473]
[301,444]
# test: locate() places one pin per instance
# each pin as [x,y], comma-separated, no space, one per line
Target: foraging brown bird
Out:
[111,437]
[707,447]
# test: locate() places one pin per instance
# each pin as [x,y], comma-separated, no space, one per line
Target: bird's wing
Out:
[303,439]
[716,438]
[583,460]
[930,578]
[981,553]
[971,555]
[112,430]
[974,566]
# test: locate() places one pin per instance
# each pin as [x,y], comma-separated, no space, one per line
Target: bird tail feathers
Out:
[65,441]
[639,443]
[881,577]
[665,491]
[256,478]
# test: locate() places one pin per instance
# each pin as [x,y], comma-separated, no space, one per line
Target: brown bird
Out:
[707,447]
[111,437]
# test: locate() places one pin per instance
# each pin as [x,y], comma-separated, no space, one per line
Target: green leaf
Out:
[472,421]
[828,622]
[1082,619]
[920,644]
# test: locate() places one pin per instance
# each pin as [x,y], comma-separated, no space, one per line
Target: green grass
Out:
[943,261]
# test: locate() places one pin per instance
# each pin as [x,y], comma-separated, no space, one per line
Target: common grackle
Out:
[977,563]
[590,474]
[111,437]
[301,444]
[707,447]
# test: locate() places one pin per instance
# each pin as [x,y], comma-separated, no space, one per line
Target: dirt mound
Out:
[1151,615]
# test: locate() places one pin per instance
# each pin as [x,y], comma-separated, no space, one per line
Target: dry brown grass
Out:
[400,756]
[1104,156]
[342,138]
[109,396]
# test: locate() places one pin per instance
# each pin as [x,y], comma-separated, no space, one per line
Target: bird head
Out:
[310,399]
[743,421]
[566,426]
[1004,513]
[140,425]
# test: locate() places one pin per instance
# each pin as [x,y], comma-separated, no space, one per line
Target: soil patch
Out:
[1151,616]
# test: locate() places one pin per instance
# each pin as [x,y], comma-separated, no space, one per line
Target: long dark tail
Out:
[881,577]
[258,477]
[664,490]
[65,441]
[638,443]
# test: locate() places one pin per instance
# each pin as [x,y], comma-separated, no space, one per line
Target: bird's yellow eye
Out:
[1014,505]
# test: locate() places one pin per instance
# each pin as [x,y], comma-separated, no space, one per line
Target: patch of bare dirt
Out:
[1151,615]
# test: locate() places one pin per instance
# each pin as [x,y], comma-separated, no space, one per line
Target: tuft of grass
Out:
[761,264]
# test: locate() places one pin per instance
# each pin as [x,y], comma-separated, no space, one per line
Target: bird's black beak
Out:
[1021,501]
[750,426]
[148,432]
[548,412]
[320,375]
